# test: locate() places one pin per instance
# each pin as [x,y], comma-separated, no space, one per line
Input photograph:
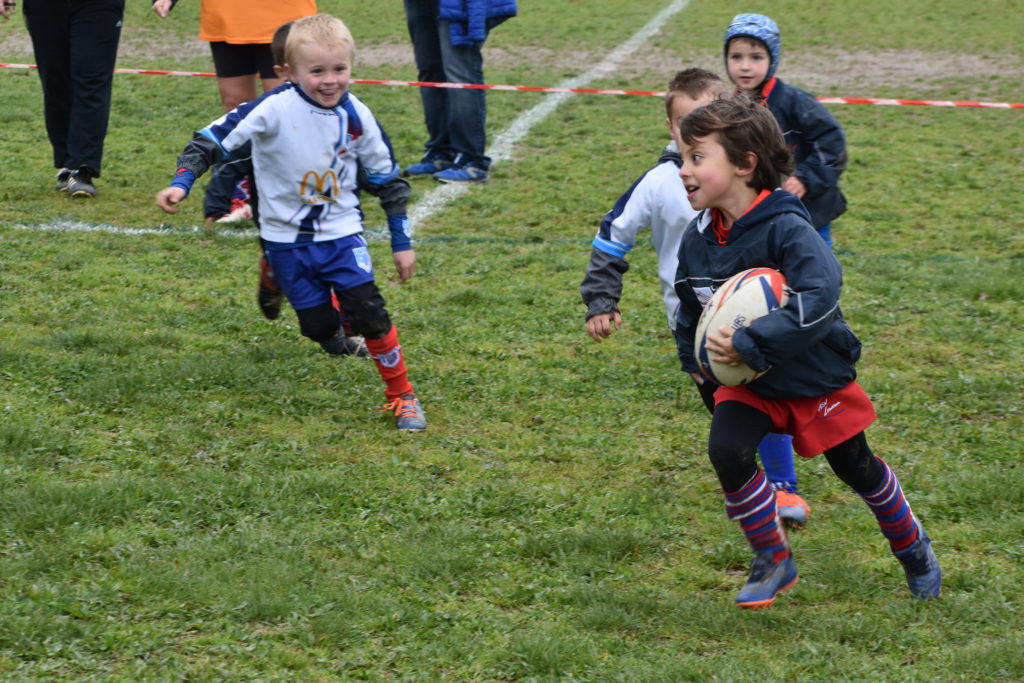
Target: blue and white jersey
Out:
[305,158]
[657,199]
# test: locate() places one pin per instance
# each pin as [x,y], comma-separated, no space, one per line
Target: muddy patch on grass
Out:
[823,72]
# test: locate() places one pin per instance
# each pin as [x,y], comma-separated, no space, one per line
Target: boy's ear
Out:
[280,71]
[751,160]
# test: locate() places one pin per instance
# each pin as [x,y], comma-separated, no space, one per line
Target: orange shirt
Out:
[248,21]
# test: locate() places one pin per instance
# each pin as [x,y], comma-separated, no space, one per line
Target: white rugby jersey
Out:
[305,161]
[657,200]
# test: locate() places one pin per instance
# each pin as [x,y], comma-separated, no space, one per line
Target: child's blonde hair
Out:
[694,83]
[319,29]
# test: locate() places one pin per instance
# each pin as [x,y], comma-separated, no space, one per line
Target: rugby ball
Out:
[743,298]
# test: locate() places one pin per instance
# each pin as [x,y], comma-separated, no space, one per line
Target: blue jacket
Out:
[808,346]
[818,144]
[471,20]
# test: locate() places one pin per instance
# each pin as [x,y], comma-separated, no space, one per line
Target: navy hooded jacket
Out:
[818,144]
[808,346]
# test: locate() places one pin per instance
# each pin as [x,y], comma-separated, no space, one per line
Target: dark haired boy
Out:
[734,158]
[657,199]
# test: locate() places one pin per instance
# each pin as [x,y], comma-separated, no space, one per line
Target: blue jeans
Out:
[456,118]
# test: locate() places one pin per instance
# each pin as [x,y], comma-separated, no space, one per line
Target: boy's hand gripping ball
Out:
[743,298]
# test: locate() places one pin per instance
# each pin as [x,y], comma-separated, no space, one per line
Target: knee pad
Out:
[364,306]
[319,323]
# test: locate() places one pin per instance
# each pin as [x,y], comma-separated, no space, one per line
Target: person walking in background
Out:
[75,46]
[448,38]
[240,35]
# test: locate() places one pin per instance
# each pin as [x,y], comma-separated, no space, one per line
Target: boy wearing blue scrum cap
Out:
[752,49]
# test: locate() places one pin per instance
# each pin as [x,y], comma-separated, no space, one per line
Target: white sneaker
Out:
[240,212]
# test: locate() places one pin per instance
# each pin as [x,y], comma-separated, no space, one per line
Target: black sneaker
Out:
[340,345]
[63,175]
[80,186]
[924,576]
[270,295]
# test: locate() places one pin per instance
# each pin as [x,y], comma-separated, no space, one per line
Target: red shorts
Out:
[816,424]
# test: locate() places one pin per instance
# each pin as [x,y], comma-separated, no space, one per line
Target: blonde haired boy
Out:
[312,142]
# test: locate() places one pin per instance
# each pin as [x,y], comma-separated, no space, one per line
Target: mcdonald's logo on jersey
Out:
[323,188]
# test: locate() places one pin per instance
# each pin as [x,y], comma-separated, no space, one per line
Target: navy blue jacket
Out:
[808,346]
[471,20]
[819,149]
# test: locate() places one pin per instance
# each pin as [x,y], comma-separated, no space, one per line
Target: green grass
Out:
[188,491]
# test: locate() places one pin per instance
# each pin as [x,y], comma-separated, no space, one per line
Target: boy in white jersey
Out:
[311,138]
[658,199]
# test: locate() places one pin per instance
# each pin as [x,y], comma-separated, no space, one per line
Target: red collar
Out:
[718,225]
[766,90]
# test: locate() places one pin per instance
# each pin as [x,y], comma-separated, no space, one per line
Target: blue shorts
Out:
[309,272]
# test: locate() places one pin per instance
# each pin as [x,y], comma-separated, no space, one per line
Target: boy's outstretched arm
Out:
[601,290]
[199,154]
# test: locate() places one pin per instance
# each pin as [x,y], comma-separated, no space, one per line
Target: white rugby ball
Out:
[743,298]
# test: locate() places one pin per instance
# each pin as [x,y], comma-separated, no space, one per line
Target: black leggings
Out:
[364,305]
[737,429]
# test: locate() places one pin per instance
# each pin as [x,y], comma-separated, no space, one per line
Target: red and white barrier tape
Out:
[586,91]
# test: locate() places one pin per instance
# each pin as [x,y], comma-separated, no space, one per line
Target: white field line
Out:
[438,197]
[501,148]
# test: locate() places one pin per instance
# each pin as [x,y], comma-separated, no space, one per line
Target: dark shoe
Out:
[464,173]
[63,175]
[431,164]
[767,579]
[80,186]
[270,295]
[924,577]
[340,345]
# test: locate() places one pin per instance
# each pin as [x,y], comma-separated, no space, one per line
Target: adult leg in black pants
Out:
[75,44]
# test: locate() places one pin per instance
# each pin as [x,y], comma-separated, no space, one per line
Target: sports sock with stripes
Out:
[895,518]
[753,506]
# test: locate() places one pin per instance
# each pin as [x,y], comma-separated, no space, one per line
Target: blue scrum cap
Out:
[761,28]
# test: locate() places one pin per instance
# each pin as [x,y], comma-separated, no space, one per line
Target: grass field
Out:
[188,491]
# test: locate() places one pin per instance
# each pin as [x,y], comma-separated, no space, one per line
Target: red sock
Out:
[387,354]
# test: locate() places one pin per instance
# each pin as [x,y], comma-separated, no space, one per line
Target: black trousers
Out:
[75,45]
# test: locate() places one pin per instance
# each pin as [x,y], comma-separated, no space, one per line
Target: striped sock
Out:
[892,511]
[753,506]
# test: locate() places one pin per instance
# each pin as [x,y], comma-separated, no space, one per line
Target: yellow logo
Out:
[314,193]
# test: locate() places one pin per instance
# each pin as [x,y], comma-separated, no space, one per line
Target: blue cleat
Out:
[767,579]
[924,576]
[408,413]
[431,164]
[462,173]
